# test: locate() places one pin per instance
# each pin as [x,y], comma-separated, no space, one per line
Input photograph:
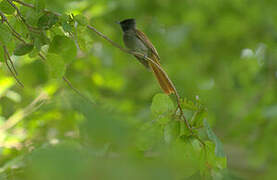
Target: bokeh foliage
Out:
[221,55]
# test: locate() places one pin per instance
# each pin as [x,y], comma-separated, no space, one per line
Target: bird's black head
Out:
[128,24]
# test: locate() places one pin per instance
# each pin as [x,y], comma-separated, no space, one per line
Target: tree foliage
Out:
[85,111]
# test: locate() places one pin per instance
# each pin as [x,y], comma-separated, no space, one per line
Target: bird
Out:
[136,41]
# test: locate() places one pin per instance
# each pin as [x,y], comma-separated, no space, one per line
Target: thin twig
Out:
[69,83]
[10,69]
[14,33]
[76,90]
[32,6]
[10,60]
[21,114]
[33,29]
[4,18]
[17,10]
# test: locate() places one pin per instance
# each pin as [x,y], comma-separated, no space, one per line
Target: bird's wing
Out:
[147,42]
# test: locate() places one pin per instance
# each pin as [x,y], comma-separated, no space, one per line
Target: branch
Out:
[152,61]
[18,36]
[33,29]
[10,60]
[14,33]
[69,83]
[6,59]
[32,6]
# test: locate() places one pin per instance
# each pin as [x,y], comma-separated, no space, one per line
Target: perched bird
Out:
[135,40]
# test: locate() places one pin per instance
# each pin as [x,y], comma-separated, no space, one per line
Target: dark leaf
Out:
[46,21]
[64,46]
[22,49]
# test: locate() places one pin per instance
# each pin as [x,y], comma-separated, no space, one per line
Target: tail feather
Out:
[164,81]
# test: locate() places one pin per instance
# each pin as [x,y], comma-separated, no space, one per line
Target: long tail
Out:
[163,79]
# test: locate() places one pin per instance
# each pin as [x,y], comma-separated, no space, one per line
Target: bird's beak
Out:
[117,22]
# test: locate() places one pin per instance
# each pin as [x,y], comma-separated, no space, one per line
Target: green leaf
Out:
[198,117]
[211,159]
[47,20]
[19,26]
[22,49]
[39,6]
[31,17]
[161,105]
[186,104]
[211,135]
[6,8]
[5,34]
[82,20]
[2,59]
[171,131]
[164,120]
[56,66]
[40,40]
[67,27]
[64,46]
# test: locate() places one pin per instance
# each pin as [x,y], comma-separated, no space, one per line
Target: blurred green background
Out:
[223,52]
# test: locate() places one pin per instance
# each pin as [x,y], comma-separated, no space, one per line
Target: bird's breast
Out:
[135,44]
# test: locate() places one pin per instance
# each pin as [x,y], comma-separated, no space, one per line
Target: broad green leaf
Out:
[67,23]
[82,20]
[2,58]
[31,17]
[5,34]
[6,8]
[47,20]
[164,120]
[162,105]
[148,136]
[82,37]
[198,117]
[22,49]
[19,26]
[212,159]
[67,27]
[63,46]
[171,131]
[56,66]
[39,6]
[40,40]
[187,104]
[211,135]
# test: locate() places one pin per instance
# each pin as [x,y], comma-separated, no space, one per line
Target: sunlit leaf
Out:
[161,104]
[56,66]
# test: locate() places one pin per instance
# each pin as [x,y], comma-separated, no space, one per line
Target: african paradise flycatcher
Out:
[137,41]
